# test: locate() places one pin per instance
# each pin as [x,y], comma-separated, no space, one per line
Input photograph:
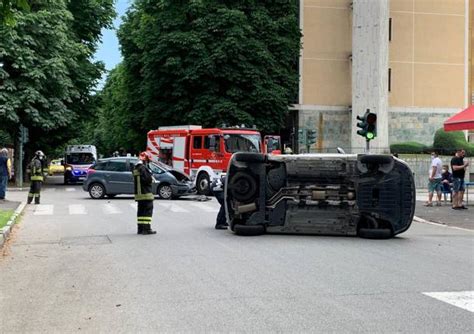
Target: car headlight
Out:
[68,168]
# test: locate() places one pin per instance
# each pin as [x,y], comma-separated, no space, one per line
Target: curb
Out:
[424,221]
[5,231]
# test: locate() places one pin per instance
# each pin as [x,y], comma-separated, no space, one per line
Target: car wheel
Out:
[249,230]
[203,184]
[370,233]
[165,191]
[97,191]
[243,187]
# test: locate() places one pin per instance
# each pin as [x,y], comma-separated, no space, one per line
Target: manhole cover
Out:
[86,240]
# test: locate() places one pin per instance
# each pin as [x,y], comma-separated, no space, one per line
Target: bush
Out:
[410,147]
[446,143]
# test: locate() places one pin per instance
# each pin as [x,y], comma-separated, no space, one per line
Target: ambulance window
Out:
[197,142]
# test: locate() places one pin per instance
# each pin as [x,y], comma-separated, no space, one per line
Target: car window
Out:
[155,169]
[100,165]
[116,166]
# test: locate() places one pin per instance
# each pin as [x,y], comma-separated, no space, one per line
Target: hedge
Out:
[410,147]
[446,143]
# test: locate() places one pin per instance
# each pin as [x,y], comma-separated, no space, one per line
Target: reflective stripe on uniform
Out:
[144,197]
[144,219]
[36,178]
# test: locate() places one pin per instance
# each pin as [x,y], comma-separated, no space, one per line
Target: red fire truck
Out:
[204,154]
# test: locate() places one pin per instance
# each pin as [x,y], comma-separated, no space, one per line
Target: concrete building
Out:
[410,61]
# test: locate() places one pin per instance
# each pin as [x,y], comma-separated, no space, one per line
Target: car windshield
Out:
[242,143]
[79,158]
[162,165]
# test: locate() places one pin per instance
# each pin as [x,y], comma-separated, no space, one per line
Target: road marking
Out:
[424,221]
[111,209]
[77,209]
[70,189]
[205,207]
[43,209]
[461,299]
[134,205]
[172,207]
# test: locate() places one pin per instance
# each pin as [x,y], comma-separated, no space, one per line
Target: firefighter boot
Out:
[147,229]
[30,199]
[37,199]
[139,228]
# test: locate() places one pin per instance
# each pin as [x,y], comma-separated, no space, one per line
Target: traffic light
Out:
[311,137]
[367,125]
[302,136]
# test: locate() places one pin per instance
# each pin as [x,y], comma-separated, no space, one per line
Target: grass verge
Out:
[5,216]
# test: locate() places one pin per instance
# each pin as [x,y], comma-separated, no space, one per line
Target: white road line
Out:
[421,220]
[205,207]
[77,209]
[43,209]
[171,207]
[70,189]
[461,299]
[111,209]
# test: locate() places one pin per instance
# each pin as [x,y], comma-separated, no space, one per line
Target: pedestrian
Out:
[143,179]
[218,191]
[446,182]
[5,172]
[458,166]
[434,184]
[36,177]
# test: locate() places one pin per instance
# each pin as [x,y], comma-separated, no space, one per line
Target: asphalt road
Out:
[76,265]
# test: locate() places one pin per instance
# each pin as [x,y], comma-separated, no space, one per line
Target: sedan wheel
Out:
[165,191]
[97,191]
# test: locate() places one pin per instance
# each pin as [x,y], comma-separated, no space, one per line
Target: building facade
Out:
[414,56]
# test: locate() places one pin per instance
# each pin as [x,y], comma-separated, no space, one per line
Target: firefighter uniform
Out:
[143,180]
[36,178]
[217,188]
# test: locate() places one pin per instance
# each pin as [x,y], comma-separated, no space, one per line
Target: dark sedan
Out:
[113,176]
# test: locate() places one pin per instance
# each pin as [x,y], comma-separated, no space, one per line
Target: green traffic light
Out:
[370,135]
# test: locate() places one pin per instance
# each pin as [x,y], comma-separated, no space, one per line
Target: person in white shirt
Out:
[435,178]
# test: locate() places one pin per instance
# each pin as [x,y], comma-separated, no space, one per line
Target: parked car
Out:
[113,176]
[55,167]
[371,196]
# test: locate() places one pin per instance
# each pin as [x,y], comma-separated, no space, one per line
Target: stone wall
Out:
[416,124]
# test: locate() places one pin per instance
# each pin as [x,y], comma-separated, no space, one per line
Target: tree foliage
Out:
[48,73]
[8,6]
[208,62]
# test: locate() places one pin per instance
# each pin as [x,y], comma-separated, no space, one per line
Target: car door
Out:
[118,177]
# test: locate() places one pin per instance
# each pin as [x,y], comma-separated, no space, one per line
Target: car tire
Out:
[203,184]
[243,187]
[96,191]
[371,233]
[249,157]
[165,191]
[249,230]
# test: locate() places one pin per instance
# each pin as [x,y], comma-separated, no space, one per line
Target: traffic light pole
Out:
[367,146]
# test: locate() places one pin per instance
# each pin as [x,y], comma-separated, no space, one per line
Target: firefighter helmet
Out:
[39,154]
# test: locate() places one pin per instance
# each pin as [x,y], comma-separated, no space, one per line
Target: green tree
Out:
[210,62]
[7,8]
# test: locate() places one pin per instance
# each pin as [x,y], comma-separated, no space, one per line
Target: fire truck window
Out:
[197,142]
[207,143]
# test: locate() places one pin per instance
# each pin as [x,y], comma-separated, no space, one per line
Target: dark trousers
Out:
[35,192]
[144,212]
[3,185]
[221,214]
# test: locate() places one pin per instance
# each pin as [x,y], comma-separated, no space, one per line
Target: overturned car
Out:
[372,196]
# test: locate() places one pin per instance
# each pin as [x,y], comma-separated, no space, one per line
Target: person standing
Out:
[434,183]
[36,177]
[143,179]
[5,172]
[458,166]
[218,191]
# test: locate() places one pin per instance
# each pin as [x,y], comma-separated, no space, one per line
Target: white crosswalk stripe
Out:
[70,189]
[171,207]
[461,299]
[77,209]
[205,207]
[43,209]
[111,209]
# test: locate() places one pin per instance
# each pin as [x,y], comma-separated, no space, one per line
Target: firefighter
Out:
[143,180]
[36,177]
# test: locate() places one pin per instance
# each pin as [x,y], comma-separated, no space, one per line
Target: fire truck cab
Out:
[204,154]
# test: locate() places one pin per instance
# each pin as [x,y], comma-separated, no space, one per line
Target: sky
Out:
[109,51]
